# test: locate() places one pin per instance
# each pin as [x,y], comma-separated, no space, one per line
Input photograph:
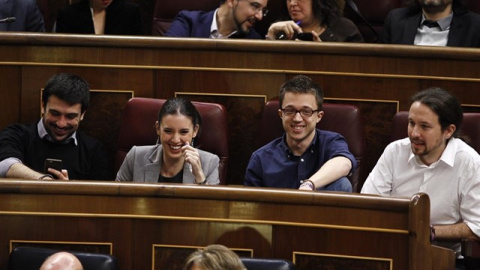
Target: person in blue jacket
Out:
[233,19]
[21,16]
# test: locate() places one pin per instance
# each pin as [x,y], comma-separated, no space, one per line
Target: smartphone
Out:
[52,163]
[305,36]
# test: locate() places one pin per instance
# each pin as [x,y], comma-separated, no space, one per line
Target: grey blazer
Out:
[143,164]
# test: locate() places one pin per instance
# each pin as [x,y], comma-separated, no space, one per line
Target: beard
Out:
[434,6]
[240,29]
[239,24]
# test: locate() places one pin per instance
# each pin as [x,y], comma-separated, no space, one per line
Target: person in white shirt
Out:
[433,161]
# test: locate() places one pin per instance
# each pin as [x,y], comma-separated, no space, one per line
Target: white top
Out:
[435,36]
[452,183]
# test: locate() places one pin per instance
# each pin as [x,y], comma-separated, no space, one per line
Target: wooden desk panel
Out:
[378,78]
[152,225]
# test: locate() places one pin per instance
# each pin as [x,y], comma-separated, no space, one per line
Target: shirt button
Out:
[302,160]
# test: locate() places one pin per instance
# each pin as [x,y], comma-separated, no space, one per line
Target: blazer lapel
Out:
[455,34]
[206,20]
[410,29]
[188,177]
[152,170]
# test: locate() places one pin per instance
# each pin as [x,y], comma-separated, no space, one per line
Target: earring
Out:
[193,139]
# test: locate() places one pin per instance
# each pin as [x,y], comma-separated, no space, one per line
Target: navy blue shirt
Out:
[274,165]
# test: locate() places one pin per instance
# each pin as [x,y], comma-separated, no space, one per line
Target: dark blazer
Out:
[197,24]
[123,18]
[27,16]
[401,27]
[342,30]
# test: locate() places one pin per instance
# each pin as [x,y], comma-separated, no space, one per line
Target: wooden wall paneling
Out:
[235,82]
[10,91]
[273,223]
[66,232]
[311,253]
[184,233]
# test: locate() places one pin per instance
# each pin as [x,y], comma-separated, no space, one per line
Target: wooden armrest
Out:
[471,248]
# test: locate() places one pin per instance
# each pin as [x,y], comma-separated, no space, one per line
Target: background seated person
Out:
[28,17]
[432,160]
[321,18]
[62,261]
[304,157]
[109,17]
[174,160]
[433,22]
[24,148]
[213,257]
[233,19]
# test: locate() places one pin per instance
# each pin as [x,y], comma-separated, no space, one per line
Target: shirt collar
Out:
[447,157]
[443,23]
[214,28]
[310,148]
[42,133]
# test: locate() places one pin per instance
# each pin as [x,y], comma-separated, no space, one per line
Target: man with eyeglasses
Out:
[304,157]
[233,19]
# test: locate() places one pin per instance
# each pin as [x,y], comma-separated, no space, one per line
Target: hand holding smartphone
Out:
[52,163]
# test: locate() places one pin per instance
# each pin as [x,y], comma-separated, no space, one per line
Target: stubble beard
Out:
[433,7]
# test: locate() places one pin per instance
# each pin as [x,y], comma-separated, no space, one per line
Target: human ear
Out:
[449,131]
[195,130]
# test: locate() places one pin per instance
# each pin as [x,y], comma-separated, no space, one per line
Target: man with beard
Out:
[433,161]
[433,22]
[233,19]
[304,157]
[25,148]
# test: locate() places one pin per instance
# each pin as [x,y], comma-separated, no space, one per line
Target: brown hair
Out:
[214,257]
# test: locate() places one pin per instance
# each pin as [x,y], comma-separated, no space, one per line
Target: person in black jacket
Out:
[24,149]
[433,22]
[321,20]
[101,17]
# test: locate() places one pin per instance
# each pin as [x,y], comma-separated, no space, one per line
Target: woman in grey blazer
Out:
[174,160]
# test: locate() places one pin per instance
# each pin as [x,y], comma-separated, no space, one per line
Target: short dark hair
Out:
[323,10]
[183,107]
[69,88]
[444,104]
[304,85]
[458,6]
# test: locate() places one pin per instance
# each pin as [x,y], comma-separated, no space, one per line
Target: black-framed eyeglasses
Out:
[257,7]
[305,112]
